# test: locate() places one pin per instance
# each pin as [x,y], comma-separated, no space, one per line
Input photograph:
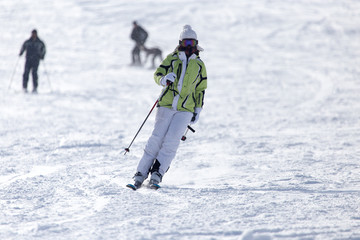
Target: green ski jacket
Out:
[188,90]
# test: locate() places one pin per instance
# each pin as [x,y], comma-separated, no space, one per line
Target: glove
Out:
[196,115]
[168,79]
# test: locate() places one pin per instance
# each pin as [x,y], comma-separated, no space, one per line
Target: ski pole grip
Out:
[191,129]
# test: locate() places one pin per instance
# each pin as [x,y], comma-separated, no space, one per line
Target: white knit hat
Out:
[187,33]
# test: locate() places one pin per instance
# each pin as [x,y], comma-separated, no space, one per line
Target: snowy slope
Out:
[275,154]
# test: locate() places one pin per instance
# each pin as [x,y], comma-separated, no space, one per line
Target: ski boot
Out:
[155,180]
[139,179]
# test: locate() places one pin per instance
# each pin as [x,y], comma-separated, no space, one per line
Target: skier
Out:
[139,35]
[35,50]
[183,76]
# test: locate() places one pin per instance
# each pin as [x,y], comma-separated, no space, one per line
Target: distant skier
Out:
[139,35]
[183,75]
[35,50]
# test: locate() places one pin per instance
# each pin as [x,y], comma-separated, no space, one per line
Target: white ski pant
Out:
[169,127]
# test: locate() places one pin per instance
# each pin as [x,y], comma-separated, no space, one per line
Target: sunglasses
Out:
[188,42]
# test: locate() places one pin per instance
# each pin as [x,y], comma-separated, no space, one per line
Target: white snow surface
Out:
[276,150]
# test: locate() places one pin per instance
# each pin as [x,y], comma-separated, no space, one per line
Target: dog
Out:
[155,52]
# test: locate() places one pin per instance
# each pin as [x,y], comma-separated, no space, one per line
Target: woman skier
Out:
[183,76]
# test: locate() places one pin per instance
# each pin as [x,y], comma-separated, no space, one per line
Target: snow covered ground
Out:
[275,154]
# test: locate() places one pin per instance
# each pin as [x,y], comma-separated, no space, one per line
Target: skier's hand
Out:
[196,115]
[168,79]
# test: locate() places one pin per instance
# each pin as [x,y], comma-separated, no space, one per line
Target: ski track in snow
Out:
[275,154]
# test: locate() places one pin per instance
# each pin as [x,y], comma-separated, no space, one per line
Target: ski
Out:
[133,187]
[150,186]
[154,186]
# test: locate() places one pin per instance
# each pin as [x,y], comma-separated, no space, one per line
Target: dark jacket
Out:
[35,49]
[139,35]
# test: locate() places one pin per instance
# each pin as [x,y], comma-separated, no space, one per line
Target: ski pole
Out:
[188,128]
[47,75]
[128,148]
[12,76]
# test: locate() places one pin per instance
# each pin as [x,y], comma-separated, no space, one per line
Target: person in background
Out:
[35,51]
[139,35]
[182,75]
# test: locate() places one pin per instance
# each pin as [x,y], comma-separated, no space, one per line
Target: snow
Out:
[276,150]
